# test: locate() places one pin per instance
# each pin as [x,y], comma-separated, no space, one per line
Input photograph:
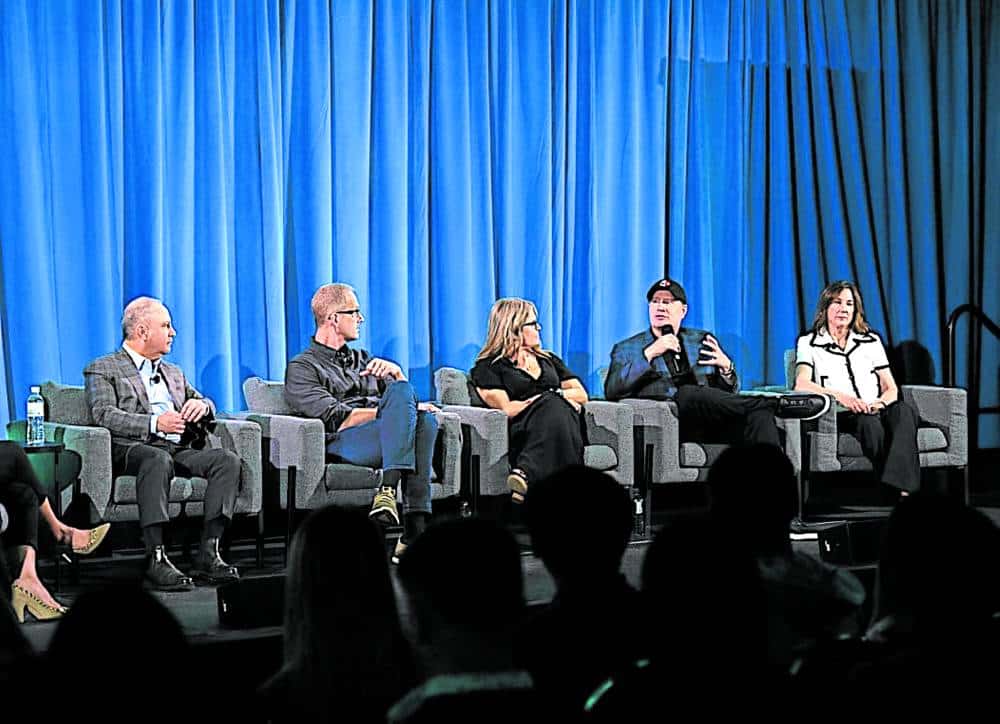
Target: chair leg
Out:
[290,505]
[260,537]
[801,484]
[647,492]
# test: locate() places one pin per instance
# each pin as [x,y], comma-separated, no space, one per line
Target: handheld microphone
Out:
[670,357]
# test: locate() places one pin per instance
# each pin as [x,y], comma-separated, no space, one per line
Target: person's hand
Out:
[714,355]
[851,402]
[662,344]
[576,405]
[428,407]
[382,369]
[194,410]
[520,406]
[170,423]
[875,407]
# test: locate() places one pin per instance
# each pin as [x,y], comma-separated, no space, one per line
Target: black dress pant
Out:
[708,414]
[889,440]
[155,464]
[21,493]
[546,437]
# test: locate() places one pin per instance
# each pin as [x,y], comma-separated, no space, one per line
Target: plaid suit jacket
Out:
[118,401]
[631,374]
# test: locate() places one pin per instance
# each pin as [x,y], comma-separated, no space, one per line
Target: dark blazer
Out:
[631,375]
[118,400]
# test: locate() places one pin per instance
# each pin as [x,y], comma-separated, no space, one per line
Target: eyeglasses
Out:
[352,312]
[536,324]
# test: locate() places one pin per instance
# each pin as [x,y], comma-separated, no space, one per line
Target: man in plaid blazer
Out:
[157,423]
[669,361]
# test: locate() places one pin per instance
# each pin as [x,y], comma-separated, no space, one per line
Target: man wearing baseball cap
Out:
[671,361]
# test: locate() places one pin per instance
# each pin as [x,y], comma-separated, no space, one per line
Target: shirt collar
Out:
[823,338]
[138,360]
[342,356]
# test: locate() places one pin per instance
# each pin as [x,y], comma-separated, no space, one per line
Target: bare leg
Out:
[29,580]
[60,531]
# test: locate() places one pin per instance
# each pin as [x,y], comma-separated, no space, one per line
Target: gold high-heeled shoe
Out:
[94,539]
[22,599]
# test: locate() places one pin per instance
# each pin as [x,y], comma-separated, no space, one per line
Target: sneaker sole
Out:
[384,516]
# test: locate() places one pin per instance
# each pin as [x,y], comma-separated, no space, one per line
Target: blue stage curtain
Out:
[231,156]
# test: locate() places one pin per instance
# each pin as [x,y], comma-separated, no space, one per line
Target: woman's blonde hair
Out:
[503,338]
[826,297]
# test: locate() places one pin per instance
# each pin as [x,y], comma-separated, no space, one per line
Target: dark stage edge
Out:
[197,610]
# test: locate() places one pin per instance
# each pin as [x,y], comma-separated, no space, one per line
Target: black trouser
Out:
[155,465]
[708,414]
[889,440]
[21,494]
[546,437]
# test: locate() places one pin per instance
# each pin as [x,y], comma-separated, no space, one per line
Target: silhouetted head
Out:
[463,575]
[120,636]
[580,520]
[340,611]
[703,589]
[939,566]
[754,496]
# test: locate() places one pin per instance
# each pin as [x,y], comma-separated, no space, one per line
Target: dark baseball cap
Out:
[667,285]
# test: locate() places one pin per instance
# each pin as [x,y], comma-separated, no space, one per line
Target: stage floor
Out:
[197,610]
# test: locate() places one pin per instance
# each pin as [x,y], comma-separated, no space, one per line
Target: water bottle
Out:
[36,417]
[638,513]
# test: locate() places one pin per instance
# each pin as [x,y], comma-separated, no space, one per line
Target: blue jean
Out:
[399,438]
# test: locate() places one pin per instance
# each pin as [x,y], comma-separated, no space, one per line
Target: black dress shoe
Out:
[162,575]
[804,406]
[209,566]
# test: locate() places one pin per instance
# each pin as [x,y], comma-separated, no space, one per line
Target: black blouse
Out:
[518,384]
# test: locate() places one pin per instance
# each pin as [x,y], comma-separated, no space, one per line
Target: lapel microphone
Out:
[670,357]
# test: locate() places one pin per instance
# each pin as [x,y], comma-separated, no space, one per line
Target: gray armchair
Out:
[662,458]
[113,498]
[295,455]
[608,425]
[942,434]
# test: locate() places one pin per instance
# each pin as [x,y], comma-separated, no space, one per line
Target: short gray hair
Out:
[326,298]
[136,312]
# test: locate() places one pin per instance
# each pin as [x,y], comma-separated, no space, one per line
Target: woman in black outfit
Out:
[540,395]
[24,498]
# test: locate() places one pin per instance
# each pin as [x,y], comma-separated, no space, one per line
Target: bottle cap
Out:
[36,388]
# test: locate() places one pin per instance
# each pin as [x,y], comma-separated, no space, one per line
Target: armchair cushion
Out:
[266,396]
[600,457]
[66,404]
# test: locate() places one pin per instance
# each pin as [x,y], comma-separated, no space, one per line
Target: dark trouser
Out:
[155,465]
[708,414]
[21,493]
[546,437]
[399,438]
[889,440]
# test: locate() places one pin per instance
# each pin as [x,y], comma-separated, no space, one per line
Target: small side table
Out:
[34,452]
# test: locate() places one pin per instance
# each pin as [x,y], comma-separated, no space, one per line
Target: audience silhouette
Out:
[345,653]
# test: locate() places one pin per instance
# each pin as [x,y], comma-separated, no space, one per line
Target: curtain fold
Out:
[231,156]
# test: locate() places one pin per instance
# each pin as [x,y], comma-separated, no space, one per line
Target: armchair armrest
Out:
[484,430]
[293,441]
[945,408]
[88,445]
[659,425]
[243,437]
[610,423]
[450,430]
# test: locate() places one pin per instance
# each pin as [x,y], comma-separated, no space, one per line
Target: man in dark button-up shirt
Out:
[669,361]
[370,411]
